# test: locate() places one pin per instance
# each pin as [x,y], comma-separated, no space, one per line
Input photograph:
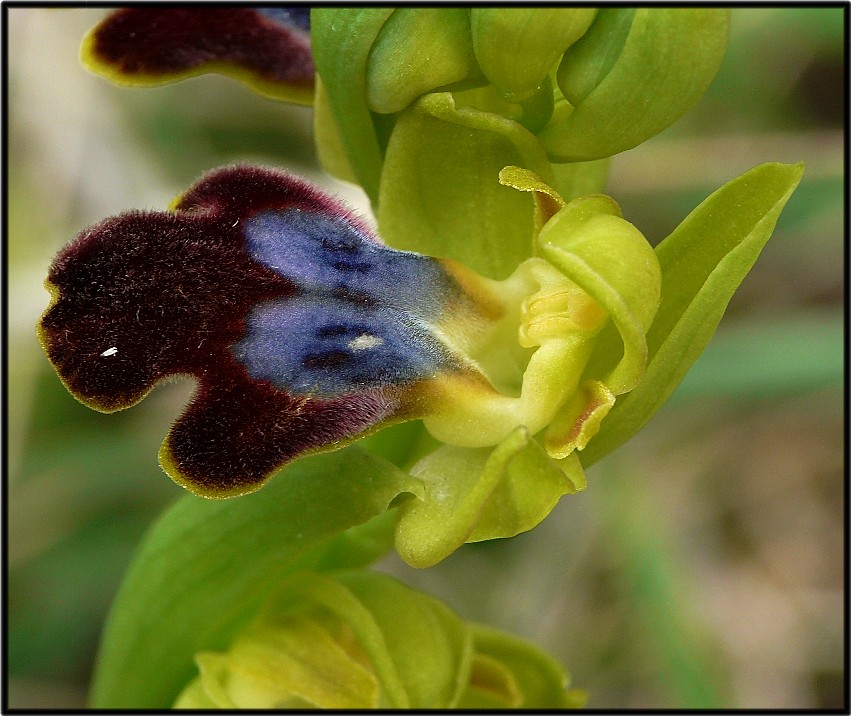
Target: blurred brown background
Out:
[703,567]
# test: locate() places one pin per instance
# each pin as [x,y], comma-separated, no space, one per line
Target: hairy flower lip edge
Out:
[298,89]
[167,458]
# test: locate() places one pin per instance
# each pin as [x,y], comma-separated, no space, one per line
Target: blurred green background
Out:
[703,567]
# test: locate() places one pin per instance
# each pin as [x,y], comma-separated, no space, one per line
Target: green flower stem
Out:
[659,591]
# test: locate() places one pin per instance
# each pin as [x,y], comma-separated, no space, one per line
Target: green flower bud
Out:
[424,106]
[361,640]
[416,51]
[517,47]
[633,73]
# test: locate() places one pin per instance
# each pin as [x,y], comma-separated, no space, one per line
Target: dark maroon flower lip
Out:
[302,330]
[268,48]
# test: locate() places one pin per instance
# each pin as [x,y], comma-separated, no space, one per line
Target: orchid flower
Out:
[509,316]
[503,301]
[304,331]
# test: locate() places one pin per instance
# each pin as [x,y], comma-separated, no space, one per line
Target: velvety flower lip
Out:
[268,48]
[301,328]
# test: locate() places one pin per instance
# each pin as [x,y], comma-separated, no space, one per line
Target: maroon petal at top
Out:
[269,48]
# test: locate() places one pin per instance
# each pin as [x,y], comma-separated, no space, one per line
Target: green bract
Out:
[703,262]
[206,566]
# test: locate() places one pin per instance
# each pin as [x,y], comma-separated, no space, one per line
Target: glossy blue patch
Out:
[359,319]
[326,255]
[324,347]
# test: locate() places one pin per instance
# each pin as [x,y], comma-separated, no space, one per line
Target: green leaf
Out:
[668,59]
[785,355]
[205,566]
[703,262]
[341,39]
[440,190]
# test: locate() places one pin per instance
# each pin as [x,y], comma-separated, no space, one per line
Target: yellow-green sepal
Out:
[703,261]
[329,144]
[440,189]
[341,41]
[475,494]
[609,259]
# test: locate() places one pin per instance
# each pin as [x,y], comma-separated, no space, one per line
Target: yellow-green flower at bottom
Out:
[358,640]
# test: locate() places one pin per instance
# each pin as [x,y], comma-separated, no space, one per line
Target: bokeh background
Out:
[703,566]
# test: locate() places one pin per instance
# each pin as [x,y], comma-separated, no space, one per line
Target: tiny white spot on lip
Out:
[109,352]
[365,341]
